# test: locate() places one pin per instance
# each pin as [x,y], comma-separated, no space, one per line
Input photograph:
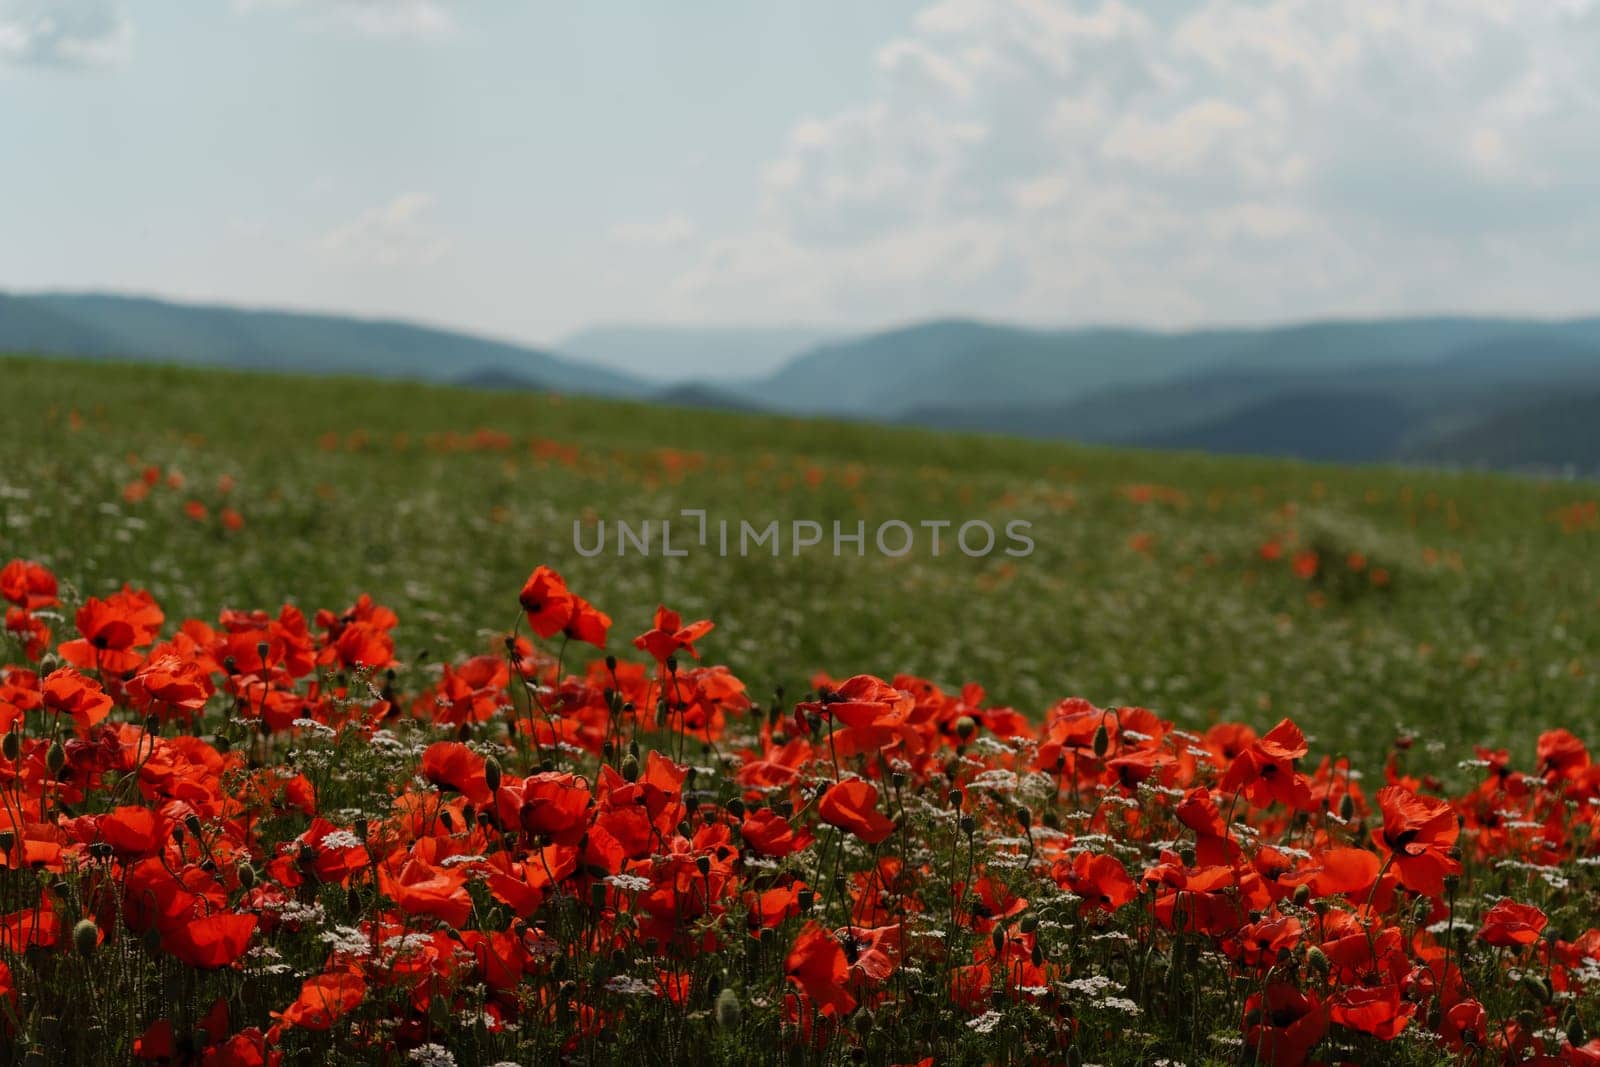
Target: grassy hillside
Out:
[1454,606]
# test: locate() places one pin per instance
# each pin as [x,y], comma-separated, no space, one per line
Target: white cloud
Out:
[380,18]
[674,229]
[395,234]
[64,33]
[1233,159]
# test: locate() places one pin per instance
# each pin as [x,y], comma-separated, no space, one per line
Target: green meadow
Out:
[1370,604]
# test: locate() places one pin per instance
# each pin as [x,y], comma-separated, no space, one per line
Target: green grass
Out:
[1487,631]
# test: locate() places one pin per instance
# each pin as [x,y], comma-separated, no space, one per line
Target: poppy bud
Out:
[1536,985]
[447,820]
[806,898]
[966,726]
[1576,1036]
[611,664]
[1302,893]
[672,664]
[597,895]
[736,808]
[49,664]
[1024,818]
[1051,819]
[1036,957]
[85,937]
[727,1009]
[1102,741]
[1347,807]
[55,758]
[262,648]
[998,936]
[12,745]
[1029,924]
[630,768]
[247,875]
[191,822]
[1186,854]
[491,774]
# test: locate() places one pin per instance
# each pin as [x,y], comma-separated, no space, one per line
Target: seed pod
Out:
[727,1009]
[969,825]
[85,937]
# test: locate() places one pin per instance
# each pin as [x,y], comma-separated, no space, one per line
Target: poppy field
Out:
[324,743]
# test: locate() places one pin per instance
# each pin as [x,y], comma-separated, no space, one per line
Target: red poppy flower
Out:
[670,635]
[1376,1010]
[1265,772]
[1418,833]
[28,585]
[210,942]
[323,1000]
[817,966]
[133,831]
[359,638]
[547,602]
[70,693]
[588,623]
[557,806]
[852,806]
[29,630]
[1099,879]
[422,889]
[452,764]
[769,834]
[169,684]
[1510,924]
[112,629]
[1283,1027]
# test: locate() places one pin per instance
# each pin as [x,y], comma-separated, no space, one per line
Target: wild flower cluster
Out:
[269,841]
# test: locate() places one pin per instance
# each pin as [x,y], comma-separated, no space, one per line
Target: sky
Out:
[529,169]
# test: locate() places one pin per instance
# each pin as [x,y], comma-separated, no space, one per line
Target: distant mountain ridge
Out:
[133,327]
[682,354]
[1501,392]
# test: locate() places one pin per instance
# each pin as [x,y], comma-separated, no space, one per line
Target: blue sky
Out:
[526,169]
